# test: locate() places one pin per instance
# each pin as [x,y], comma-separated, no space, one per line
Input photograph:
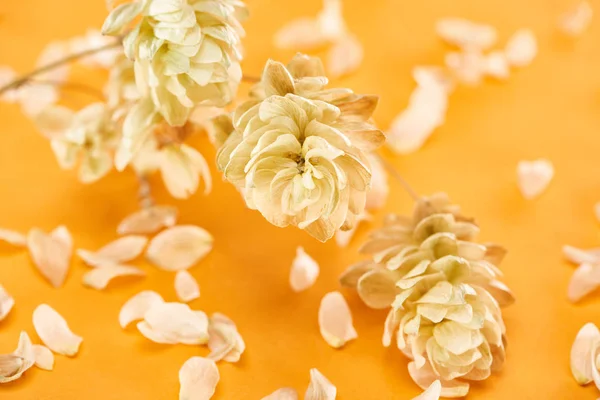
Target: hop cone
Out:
[186,52]
[297,152]
[444,294]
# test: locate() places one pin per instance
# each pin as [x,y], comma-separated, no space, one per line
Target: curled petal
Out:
[585,280]
[586,341]
[304,271]
[225,342]
[148,220]
[44,358]
[335,320]
[121,250]
[186,287]
[319,388]
[13,365]
[285,393]
[174,323]
[99,278]
[179,247]
[136,307]
[52,328]
[534,177]
[198,379]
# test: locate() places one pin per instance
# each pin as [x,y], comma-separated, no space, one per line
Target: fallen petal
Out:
[179,247]
[51,254]
[304,271]
[581,360]
[136,307]
[319,388]
[99,278]
[466,34]
[579,256]
[225,342]
[148,220]
[584,280]
[335,320]
[198,379]
[6,303]
[534,177]
[300,34]
[285,393]
[496,65]
[575,21]
[521,48]
[175,322]
[345,56]
[433,392]
[121,250]
[12,237]
[186,286]
[44,358]
[13,365]
[54,332]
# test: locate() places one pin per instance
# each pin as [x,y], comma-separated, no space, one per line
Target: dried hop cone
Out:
[444,294]
[186,52]
[297,151]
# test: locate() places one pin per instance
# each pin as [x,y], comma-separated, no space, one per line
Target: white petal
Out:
[179,247]
[579,256]
[304,271]
[521,48]
[225,342]
[34,98]
[300,34]
[534,177]
[176,323]
[285,393]
[335,320]
[584,280]
[575,21]
[148,220]
[12,237]
[469,66]
[51,254]
[52,328]
[433,392]
[136,307]
[581,359]
[186,287]
[121,250]
[99,278]
[466,34]
[6,303]
[345,56]
[44,358]
[13,365]
[198,378]
[319,388]
[496,65]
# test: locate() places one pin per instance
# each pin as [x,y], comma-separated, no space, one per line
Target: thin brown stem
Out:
[81,87]
[394,172]
[48,67]
[250,79]
[145,192]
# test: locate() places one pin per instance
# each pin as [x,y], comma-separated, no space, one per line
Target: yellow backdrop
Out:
[550,109]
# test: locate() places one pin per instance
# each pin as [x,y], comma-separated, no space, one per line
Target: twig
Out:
[250,79]
[73,86]
[73,57]
[145,192]
[392,170]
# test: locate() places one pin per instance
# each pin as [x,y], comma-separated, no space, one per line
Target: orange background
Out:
[550,109]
